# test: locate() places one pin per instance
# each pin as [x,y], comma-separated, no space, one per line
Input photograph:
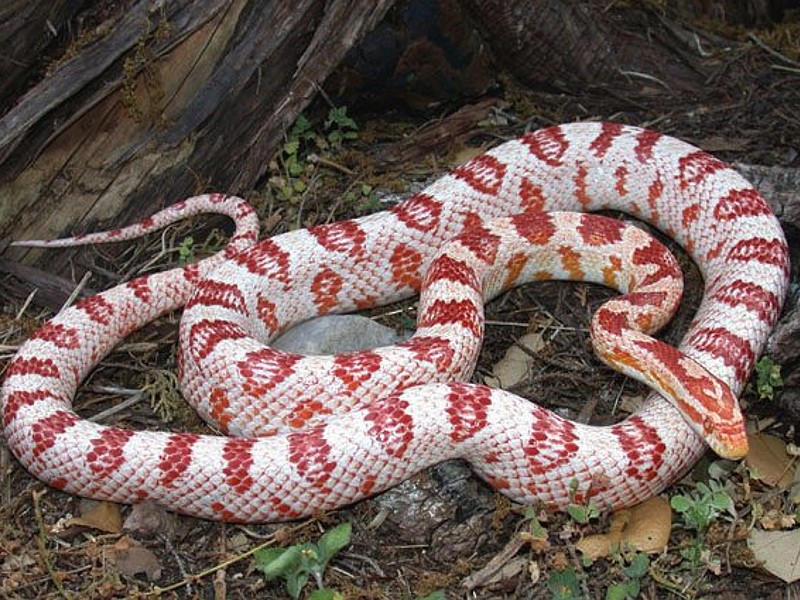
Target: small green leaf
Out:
[279,564]
[680,503]
[295,584]
[578,513]
[563,585]
[325,594]
[334,540]
[638,567]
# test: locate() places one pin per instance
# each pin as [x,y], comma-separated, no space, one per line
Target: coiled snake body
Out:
[341,428]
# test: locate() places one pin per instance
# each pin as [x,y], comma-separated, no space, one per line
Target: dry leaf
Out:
[644,527]
[131,559]
[148,519]
[513,367]
[778,551]
[103,516]
[769,460]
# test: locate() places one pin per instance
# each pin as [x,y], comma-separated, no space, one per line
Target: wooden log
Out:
[175,99]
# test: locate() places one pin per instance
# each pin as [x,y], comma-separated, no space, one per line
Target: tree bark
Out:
[173,99]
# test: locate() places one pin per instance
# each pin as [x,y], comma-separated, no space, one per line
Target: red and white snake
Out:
[342,428]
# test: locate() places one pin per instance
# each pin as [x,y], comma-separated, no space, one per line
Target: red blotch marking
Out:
[306,411]
[310,453]
[266,310]
[581,195]
[756,299]
[768,252]
[430,349]
[654,192]
[611,271]
[608,133]
[367,301]
[514,268]
[611,321]
[654,253]
[107,453]
[690,215]
[571,263]
[368,485]
[147,223]
[45,431]
[266,258]
[552,444]
[20,398]
[481,242]
[643,447]
[645,142]
[346,237]
[406,263]
[449,312]
[192,273]
[176,458]
[392,426]
[421,212]
[484,173]
[206,334]
[467,410]
[238,456]
[621,177]
[597,231]
[98,309]
[217,293]
[266,368]
[141,288]
[220,405]
[532,197]
[734,351]
[355,368]
[741,203]
[537,229]
[325,287]
[696,166]
[44,367]
[450,269]
[699,386]
[238,242]
[548,145]
[57,334]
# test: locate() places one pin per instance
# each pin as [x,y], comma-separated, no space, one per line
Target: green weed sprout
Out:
[295,563]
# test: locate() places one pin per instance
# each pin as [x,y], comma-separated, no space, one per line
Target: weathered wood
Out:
[178,98]
[573,45]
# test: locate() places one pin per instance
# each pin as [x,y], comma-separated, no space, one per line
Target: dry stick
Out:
[40,543]
[758,42]
[192,578]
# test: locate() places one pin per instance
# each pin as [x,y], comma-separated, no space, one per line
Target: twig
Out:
[758,42]
[41,543]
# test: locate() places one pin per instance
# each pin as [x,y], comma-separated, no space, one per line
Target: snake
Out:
[303,434]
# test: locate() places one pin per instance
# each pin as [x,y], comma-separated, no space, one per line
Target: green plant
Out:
[292,170]
[768,378]
[295,563]
[698,509]
[340,127]
[186,251]
[563,585]
[581,513]
[634,572]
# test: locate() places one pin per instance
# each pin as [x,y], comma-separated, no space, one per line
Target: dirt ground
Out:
[439,531]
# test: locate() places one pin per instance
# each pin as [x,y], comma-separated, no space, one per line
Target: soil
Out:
[444,526]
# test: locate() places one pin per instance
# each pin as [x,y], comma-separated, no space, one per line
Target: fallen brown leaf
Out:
[769,461]
[644,527]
